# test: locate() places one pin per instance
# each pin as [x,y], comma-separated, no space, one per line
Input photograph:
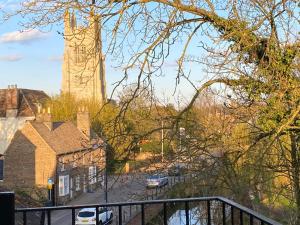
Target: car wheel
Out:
[100,223]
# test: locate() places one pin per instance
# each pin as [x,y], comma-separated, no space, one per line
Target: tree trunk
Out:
[295,173]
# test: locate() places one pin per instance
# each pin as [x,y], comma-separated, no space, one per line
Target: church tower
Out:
[83,72]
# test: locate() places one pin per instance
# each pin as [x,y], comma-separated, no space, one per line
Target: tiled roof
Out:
[28,100]
[65,137]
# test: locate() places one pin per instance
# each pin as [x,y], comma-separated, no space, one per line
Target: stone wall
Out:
[29,161]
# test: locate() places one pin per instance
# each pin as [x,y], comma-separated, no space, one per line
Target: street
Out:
[120,189]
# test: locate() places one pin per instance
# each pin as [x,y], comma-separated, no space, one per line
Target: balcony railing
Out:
[213,211]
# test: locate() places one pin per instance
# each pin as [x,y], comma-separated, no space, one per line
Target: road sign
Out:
[50,183]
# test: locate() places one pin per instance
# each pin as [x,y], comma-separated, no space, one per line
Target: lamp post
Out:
[181,133]
[104,145]
[162,140]
[105,179]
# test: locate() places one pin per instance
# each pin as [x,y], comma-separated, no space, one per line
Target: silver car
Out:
[156,180]
[87,216]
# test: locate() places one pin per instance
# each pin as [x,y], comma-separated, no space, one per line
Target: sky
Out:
[33,59]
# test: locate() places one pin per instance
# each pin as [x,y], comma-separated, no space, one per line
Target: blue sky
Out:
[33,60]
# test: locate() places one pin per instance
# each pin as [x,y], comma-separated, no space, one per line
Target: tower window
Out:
[80,54]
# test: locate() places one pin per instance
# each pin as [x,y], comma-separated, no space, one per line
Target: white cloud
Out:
[55,58]
[9,4]
[26,36]
[11,58]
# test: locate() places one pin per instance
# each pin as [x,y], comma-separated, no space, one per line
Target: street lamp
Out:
[181,133]
[104,145]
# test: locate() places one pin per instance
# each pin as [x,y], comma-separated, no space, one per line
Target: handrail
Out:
[226,201]
[248,211]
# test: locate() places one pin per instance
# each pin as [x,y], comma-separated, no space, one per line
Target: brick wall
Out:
[19,162]
[29,161]
[77,165]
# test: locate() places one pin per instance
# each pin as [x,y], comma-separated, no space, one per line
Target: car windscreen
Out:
[103,210]
[86,214]
[154,177]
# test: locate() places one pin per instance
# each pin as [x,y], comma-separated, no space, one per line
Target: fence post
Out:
[7,208]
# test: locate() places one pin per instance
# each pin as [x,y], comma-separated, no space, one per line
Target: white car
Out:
[87,216]
[156,180]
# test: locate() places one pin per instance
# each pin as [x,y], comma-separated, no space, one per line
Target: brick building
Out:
[69,154]
[16,107]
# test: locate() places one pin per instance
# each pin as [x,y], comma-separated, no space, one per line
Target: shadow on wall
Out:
[19,162]
[8,128]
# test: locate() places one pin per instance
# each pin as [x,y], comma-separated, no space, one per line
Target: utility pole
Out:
[162,140]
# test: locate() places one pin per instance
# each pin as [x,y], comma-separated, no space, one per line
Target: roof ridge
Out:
[26,100]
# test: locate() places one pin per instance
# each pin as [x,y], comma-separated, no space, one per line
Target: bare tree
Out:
[251,47]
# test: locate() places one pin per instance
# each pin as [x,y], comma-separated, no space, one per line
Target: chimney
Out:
[83,122]
[12,101]
[45,117]
[48,119]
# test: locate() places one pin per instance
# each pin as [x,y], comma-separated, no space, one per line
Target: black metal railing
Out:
[212,211]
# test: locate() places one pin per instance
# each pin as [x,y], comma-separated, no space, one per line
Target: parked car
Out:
[156,180]
[176,170]
[87,216]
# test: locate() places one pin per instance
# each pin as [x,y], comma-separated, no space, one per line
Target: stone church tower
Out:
[83,63]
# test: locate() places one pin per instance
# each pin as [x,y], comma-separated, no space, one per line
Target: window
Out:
[62,164]
[1,169]
[80,54]
[92,174]
[103,210]
[77,183]
[86,214]
[64,185]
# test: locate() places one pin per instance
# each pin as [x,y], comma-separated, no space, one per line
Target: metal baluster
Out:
[224,213]
[187,218]
[208,213]
[143,213]
[73,216]
[232,215]
[120,215]
[49,216]
[165,214]
[241,218]
[97,215]
[24,218]
[251,219]
[130,209]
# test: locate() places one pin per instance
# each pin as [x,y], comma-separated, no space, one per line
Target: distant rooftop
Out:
[24,101]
